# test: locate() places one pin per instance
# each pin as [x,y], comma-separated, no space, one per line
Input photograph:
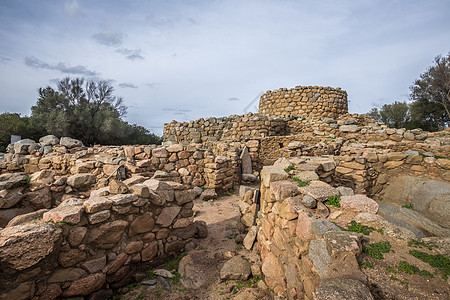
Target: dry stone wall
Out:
[92,246]
[306,101]
[235,127]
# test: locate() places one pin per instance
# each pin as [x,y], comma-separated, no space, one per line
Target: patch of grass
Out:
[376,250]
[358,227]
[300,182]
[176,278]
[391,270]
[381,199]
[439,261]
[411,269]
[26,180]
[366,265]
[288,169]
[140,297]
[244,284]
[203,188]
[37,218]
[421,244]
[200,247]
[150,274]
[408,206]
[334,201]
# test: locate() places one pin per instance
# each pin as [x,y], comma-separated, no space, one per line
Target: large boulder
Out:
[70,142]
[22,146]
[342,289]
[9,180]
[430,198]
[49,140]
[24,246]
[237,268]
[81,181]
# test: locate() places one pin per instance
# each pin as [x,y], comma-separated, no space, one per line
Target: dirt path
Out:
[222,217]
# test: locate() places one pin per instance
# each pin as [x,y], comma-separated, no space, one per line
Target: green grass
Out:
[417,244]
[358,227]
[376,250]
[172,263]
[26,180]
[408,206]
[150,274]
[366,265]
[334,201]
[288,169]
[300,182]
[411,269]
[244,284]
[439,261]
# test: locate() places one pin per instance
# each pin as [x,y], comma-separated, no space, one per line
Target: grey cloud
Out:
[109,38]
[128,85]
[233,99]
[33,62]
[131,53]
[4,59]
[169,22]
[154,85]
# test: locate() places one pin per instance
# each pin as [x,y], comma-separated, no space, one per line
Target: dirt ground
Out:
[222,217]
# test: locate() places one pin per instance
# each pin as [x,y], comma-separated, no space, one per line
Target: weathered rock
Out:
[22,146]
[349,128]
[309,201]
[307,176]
[250,237]
[208,194]
[345,191]
[237,268]
[143,223]
[86,285]
[81,181]
[167,215]
[99,217]
[318,254]
[70,143]
[150,251]
[69,214]
[283,189]
[414,218]
[97,204]
[320,226]
[123,199]
[24,246]
[107,235]
[8,180]
[70,257]
[164,190]
[246,161]
[360,203]
[320,193]
[184,196]
[26,218]
[271,174]
[9,198]
[342,289]
[343,241]
[117,187]
[48,140]
[283,163]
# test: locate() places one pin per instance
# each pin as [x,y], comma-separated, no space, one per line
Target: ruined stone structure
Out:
[98,231]
[306,101]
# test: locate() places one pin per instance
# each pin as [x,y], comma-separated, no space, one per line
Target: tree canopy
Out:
[85,110]
[430,101]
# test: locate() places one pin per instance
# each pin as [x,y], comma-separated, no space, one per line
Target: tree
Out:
[431,93]
[394,115]
[87,111]
[14,124]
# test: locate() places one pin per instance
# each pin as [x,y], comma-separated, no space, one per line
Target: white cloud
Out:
[110,38]
[71,9]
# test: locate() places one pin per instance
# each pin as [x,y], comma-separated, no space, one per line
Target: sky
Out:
[184,60]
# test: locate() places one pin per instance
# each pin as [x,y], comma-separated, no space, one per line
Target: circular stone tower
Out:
[305,101]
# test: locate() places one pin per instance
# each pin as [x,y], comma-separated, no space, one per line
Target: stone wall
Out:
[92,246]
[300,248]
[305,101]
[242,127]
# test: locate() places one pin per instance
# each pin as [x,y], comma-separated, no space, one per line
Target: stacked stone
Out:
[225,128]
[219,173]
[299,247]
[305,101]
[90,247]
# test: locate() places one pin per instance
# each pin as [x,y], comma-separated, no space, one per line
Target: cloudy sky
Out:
[186,59]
